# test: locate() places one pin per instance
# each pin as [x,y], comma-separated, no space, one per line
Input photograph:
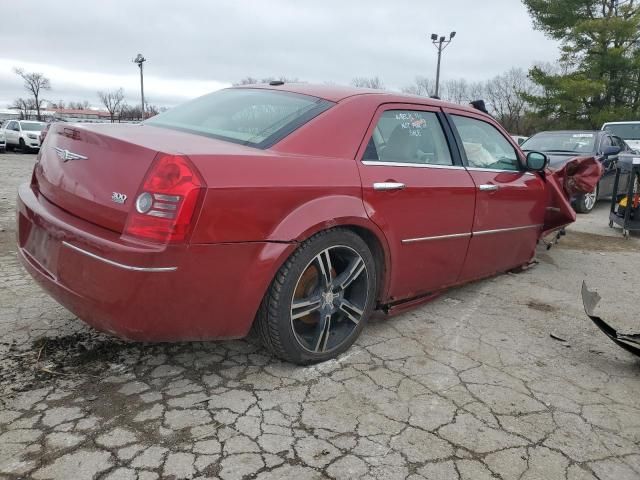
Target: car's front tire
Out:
[320,299]
[586,202]
[23,146]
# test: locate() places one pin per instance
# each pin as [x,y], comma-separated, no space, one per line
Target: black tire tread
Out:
[267,322]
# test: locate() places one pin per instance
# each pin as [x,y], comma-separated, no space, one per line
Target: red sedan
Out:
[299,209]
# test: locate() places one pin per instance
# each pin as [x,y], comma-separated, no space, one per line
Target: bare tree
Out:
[422,86]
[456,91]
[34,83]
[79,105]
[112,100]
[506,96]
[477,91]
[249,80]
[151,110]
[368,82]
[129,112]
[25,105]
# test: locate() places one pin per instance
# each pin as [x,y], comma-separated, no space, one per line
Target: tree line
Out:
[596,79]
[113,101]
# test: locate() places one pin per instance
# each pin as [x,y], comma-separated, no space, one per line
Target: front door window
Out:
[485,146]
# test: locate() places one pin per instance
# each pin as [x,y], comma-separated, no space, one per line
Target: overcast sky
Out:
[196,46]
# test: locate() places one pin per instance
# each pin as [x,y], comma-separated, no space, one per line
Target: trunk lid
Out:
[92,173]
[118,157]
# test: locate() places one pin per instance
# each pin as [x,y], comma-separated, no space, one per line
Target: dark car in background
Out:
[562,146]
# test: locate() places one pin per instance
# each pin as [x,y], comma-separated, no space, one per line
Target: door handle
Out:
[388,186]
[488,188]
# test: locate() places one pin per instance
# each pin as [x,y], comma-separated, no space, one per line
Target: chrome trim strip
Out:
[164,206]
[501,230]
[166,198]
[119,265]
[470,234]
[160,213]
[478,169]
[440,237]
[373,163]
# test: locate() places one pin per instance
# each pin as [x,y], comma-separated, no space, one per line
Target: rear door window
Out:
[408,136]
[254,117]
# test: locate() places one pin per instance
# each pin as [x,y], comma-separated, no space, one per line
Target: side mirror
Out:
[611,150]
[536,161]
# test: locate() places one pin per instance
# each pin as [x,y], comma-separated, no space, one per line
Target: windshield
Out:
[578,142]
[254,117]
[32,127]
[626,131]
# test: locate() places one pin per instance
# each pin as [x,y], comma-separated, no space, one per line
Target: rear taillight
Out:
[165,205]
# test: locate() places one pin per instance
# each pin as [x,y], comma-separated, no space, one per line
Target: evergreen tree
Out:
[599,75]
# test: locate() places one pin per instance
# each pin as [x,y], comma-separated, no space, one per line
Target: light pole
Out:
[440,43]
[140,60]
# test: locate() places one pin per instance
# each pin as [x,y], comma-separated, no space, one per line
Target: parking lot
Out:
[469,386]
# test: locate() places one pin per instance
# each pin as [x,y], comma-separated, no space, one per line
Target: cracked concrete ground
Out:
[470,386]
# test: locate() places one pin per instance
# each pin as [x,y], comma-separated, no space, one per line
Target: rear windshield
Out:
[254,117]
[626,131]
[579,142]
[32,127]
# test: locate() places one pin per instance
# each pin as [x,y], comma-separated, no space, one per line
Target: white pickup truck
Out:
[23,134]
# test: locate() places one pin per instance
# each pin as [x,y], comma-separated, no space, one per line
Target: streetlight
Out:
[440,43]
[140,60]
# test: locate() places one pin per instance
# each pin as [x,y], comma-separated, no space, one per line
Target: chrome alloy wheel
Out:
[590,199]
[329,299]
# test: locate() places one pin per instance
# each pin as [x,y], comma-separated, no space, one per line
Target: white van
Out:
[628,131]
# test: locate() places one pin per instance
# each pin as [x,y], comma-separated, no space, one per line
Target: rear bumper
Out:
[140,292]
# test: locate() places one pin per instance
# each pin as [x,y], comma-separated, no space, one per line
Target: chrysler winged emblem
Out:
[66,155]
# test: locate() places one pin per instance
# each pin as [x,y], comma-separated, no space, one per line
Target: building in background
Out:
[80,116]
[9,114]
[57,114]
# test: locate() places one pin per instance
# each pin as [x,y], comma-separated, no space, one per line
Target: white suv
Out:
[628,131]
[24,134]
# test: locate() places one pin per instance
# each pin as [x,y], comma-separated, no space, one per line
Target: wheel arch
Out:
[274,319]
[381,256]
[339,211]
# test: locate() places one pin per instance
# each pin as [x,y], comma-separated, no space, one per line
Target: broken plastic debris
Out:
[556,337]
[630,342]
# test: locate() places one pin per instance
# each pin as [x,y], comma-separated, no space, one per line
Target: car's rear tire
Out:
[23,146]
[320,299]
[586,202]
